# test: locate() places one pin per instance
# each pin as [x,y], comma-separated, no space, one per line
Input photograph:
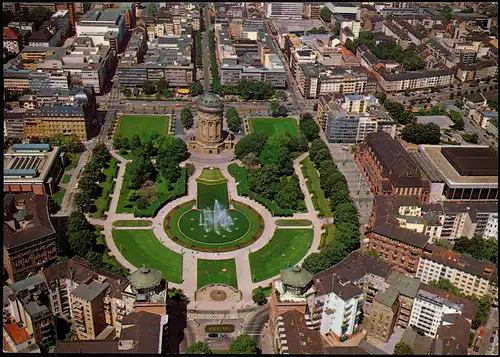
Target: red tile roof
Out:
[9,33]
[18,334]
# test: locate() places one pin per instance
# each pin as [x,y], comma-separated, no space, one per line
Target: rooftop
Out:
[434,154]
[91,291]
[406,285]
[472,161]
[296,276]
[36,160]
[388,297]
[28,284]
[18,334]
[468,307]
[300,339]
[145,278]
[327,282]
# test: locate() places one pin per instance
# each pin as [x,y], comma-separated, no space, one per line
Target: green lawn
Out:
[132,223]
[211,175]
[216,272]
[129,125]
[106,258]
[320,202]
[72,162]
[207,194]
[66,179]
[293,222]
[274,125]
[102,203]
[183,226]
[240,175]
[142,247]
[286,248]
[59,195]
[327,237]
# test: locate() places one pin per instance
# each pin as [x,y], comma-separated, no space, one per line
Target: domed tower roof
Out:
[145,278]
[296,276]
[210,102]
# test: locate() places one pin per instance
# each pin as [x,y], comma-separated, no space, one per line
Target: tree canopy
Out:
[243,344]
[325,14]
[234,121]
[187,118]
[402,348]
[308,126]
[417,133]
[199,348]
[254,143]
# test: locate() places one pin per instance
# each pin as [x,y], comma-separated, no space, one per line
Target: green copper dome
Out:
[210,100]
[296,276]
[145,278]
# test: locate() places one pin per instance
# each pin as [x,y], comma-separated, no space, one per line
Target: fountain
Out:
[214,220]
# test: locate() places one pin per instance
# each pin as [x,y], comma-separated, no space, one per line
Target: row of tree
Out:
[233,120]
[82,242]
[269,160]
[88,188]
[243,344]
[308,126]
[249,89]
[68,143]
[345,213]
[214,66]
[199,49]
[478,247]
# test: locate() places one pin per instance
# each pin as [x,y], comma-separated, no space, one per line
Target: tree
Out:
[298,144]
[417,133]
[402,348]
[316,263]
[259,298]
[54,207]
[308,127]
[77,222]
[199,348]
[482,312]
[94,259]
[336,29]
[81,242]
[277,156]
[446,285]
[251,161]
[289,193]
[141,203]
[273,108]
[161,85]
[196,88]
[264,181]
[149,88]
[135,142]
[243,344]
[234,121]
[346,212]
[250,143]
[325,14]
[350,45]
[187,118]
[172,147]
[100,154]
[471,138]
[82,199]
[68,143]
[335,252]
[141,170]
[282,111]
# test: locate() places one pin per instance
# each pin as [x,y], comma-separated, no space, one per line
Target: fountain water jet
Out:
[214,220]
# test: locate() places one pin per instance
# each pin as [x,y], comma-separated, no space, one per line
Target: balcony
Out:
[281,329]
[282,336]
[281,323]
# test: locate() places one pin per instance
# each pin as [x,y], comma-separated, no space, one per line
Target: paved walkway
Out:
[241,256]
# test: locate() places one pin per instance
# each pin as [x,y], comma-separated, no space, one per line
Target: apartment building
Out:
[291,335]
[312,11]
[389,168]
[72,8]
[11,40]
[16,80]
[49,35]
[483,118]
[433,306]
[477,71]
[29,236]
[50,79]
[407,288]
[471,276]
[278,10]
[383,314]
[340,303]
[348,118]
[76,94]
[18,340]
[61,18]
[87,309]
[315,80]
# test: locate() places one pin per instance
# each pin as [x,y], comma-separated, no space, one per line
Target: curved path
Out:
[241,256]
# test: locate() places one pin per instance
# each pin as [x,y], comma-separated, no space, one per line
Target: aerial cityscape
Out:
[250,178]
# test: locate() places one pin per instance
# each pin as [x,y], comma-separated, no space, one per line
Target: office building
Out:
[32,168]
[72,8]
[29,236]
[105,27]
[389,168]
[471,276]
[349,118]
[284,10]
[347,10]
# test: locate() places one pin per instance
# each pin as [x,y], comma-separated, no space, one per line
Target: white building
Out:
[340,304]
[103,27]
[284,10]
[471,276]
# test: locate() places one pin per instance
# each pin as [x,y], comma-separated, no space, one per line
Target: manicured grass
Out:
[143,125]
[216,272]
[142,247]
[66,179]
[265,290]
[106,258]
[132,223]
[240,175]
[102,203]
[207,194]
[59,195]
[211,175]
[286,248]
[327,237]
[293,222]
[72,162]
[182,225]
[274,125]
[320,202]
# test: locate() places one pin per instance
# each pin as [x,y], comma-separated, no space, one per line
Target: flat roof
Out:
[91,291]
[17,164]
[481,161]
[450,174]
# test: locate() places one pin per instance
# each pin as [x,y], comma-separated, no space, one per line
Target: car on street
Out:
[213,335]
[481,333]
[492,338]
[476,349]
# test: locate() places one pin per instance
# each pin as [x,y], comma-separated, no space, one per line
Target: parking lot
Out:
[358,187]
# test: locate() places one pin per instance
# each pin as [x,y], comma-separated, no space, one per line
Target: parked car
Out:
[213,335]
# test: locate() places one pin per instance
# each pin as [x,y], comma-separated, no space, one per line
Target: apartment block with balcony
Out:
[29,237]
[389,168]
[407,288]
[291,335]
[87,309]
[432,306]
[471,276]
[383,313]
